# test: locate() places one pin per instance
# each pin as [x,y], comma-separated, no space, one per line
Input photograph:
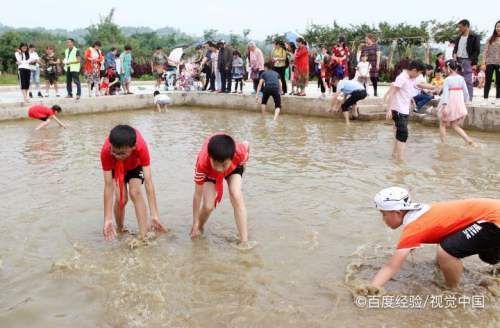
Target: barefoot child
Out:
[161,101]
[399,99]
[452,110]
[219,158]
[460,228]
[351,92]
[44,113]
[270,84]
[125,161]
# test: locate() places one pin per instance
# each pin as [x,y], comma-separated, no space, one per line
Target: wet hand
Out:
[157,226]
[109,231]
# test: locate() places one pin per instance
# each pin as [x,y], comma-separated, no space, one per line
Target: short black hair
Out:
[32,46]
[417,65]
[122,136]
[156,93]
[221,147]
[96,43]
[428,67]
[57,108]
[128,47]
[268,65]
[464,22]
[70,39]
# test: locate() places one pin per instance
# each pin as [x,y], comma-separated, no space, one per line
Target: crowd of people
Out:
[460,228]
[105,74]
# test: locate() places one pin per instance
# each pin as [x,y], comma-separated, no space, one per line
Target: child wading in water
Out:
[220,158]
[161,101]
[44,113]
[350,92]
[125,161]
[452,110]
[237,71]
[399,98]
[460,228]
[270,84]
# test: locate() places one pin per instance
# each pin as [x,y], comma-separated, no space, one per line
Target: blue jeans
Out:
[422,99]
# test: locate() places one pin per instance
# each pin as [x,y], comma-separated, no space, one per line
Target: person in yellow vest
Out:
[72,67]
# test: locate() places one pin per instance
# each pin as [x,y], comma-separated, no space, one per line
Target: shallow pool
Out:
[308,188]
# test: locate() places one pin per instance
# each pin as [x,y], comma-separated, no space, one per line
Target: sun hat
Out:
[395,199]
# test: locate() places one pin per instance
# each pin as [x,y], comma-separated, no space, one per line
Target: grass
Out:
[6,78]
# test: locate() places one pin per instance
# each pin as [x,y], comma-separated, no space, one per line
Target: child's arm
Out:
[465,91]
[281,86]
[150,193]
[388,99]
[197,196]
[59,122]
[108,230]
[390,268]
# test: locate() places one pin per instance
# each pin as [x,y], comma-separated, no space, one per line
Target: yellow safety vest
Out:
[70,56]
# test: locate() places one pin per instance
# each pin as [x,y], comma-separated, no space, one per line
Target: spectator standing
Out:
[279,57]
[92,66]
[225,65]
[206,64]
[110,59]
[72,67]
[126,68]
[22,56]
[238,71]
[51,70]
[466,52]
[302,66]
[372,52]
[158,61]
[35,70]
[491,59]
[256,59]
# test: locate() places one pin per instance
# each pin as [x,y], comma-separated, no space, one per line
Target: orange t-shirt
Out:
[445,218]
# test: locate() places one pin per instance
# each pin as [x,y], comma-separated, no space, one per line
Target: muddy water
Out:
[308,188]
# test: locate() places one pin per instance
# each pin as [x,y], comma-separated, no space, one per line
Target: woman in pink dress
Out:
[452,109]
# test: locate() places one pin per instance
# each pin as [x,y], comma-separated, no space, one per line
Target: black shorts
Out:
[51,77]
[478,238]
[136,173]
[401,123]
[44,118]
[238,170]
[355,96]
[275,93]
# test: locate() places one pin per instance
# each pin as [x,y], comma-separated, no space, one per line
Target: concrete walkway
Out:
[484,117]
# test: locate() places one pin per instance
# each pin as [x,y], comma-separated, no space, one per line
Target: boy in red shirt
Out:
[219,158]
[460,228]
[125,160]
[44,113]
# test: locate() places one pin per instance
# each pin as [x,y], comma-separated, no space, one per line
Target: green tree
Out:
[107,32]
[9,42]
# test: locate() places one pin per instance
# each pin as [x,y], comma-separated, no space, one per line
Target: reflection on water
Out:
[308,187]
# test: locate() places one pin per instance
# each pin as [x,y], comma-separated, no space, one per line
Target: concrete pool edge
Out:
[479,118]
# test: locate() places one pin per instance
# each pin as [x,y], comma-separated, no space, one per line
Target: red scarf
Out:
[120,180]
[240,157]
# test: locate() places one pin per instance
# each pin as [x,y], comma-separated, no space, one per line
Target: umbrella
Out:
[292,36]
[175,55]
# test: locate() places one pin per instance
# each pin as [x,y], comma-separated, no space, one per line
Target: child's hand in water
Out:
[156,226]
[109,231]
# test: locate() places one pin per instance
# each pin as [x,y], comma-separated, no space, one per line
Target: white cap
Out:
[395,199]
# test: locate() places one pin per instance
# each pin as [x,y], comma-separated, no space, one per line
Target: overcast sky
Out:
[263,17]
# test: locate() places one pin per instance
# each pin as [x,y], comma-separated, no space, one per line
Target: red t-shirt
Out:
[40,111]
[204,170]
[302,59]
[104,86]
[446,218]
[138,157]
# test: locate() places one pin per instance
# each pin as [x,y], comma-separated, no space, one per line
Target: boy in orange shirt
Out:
[461,228]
